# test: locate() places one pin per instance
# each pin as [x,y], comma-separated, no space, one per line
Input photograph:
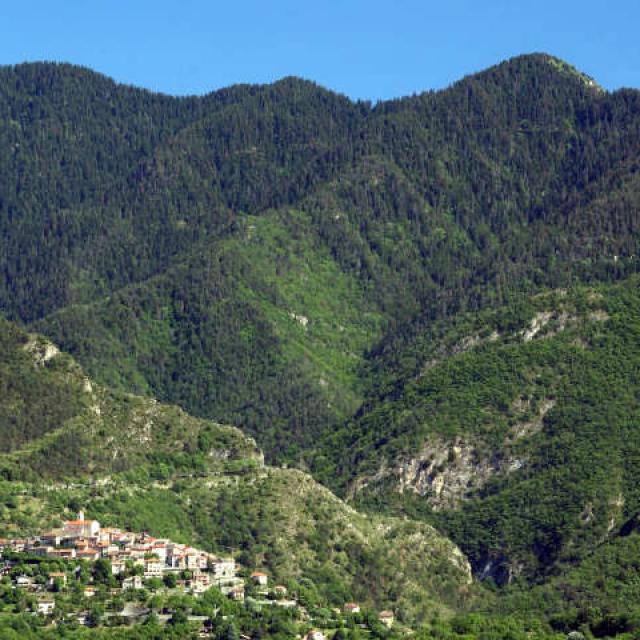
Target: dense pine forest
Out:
[429,304]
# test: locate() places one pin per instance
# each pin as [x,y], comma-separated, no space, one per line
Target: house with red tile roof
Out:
[258,577]
[81,528]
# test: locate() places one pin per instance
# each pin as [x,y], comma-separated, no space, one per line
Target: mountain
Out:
[135,463]
[127,215]
[430,304]
[57,423]
[515,432]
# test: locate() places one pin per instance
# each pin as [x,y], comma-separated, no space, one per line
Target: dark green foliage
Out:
[36,395]
[519,177]
[564,403]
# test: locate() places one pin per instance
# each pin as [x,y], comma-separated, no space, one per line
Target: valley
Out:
[387,354]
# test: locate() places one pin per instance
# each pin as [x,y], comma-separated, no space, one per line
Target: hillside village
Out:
[128,563]
[82,539]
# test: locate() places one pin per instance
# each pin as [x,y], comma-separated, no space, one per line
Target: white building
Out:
[153,569]
[134,582]
[45,607]
[260,578]
[81,528]
[222,568]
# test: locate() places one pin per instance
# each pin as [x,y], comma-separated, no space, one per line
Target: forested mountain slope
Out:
[515,430]
[129,225]
[67,443]
[432,302]
[57,423]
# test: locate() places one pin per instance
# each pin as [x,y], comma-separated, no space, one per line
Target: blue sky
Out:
[366,49]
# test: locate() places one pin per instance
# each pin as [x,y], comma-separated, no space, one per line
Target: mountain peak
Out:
[544,61]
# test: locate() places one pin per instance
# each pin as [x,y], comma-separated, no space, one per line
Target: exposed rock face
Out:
[444,472]
[533,426]
[539,321]
[303,320]
[501,570]
[41,349]
[448,351]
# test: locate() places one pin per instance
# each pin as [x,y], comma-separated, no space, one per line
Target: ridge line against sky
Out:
[365,49]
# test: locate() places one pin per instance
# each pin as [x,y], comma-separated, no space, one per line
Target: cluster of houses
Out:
[83,539]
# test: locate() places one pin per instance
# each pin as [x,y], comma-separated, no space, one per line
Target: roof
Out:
[258,574]
[386,614]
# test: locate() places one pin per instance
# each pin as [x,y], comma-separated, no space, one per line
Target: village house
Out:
[24,582]
[90,554]
[200,582]
[117,567]
[18,545]
[63,554]
[259,578]
[107,550]
[159,549]
[386,618]
[134,582]
[38,550]
[109,535]
[52,538]
[314,634]
[81,528]
[153,568]
[45,606]
[351,608]
[222,568]
[237,593]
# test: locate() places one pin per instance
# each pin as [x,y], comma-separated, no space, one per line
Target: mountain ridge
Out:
[429,303]
[532,57]
[427,206]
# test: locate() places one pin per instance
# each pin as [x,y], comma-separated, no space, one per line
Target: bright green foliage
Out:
[266,321]
[133,463]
